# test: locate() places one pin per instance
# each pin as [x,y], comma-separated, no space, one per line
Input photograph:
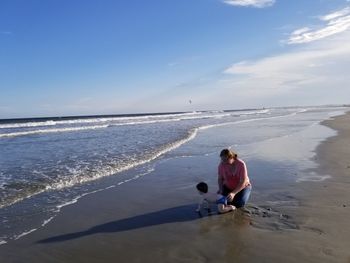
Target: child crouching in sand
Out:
[212,198]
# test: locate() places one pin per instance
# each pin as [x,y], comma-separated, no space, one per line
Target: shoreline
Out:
[329,202]
[295,219]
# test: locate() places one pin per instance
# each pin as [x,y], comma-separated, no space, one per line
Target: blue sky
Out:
[77,57]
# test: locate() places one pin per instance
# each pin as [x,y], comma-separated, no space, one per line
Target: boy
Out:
[211,198]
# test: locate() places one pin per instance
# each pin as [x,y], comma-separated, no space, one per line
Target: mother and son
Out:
[234,185]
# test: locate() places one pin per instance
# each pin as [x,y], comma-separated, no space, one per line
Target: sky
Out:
[90,57]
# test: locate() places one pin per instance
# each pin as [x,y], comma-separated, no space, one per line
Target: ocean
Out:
[49,163]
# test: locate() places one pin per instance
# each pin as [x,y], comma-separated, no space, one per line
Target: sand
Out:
[152,219]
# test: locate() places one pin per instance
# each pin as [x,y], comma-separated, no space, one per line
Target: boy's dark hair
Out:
[202,187]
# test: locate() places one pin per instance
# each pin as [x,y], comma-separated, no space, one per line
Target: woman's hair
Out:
[202,187]
[228,153]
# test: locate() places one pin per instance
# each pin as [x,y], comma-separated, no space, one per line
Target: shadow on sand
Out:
[171,215]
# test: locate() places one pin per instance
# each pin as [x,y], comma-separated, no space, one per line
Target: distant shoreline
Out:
[69,117]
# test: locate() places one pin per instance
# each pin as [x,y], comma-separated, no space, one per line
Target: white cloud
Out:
[336,14]
[317,74]
[336,23]
[253,3]
[306,75]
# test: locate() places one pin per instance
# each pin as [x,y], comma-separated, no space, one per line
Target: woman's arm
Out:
[242,173]
[243,178]
[220,181]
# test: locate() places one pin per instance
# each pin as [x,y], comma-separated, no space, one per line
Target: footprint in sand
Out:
[314,229]
[269,219]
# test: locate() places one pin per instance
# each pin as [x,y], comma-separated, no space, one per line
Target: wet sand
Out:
[152,219]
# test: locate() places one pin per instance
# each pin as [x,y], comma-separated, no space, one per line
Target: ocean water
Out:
[48,163]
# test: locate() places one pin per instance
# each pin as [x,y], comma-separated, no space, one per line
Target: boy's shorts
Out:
[222,200]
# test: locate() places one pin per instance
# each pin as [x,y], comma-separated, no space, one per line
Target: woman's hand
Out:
[230,197]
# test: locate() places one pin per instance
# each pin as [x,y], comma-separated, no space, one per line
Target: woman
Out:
[233,179]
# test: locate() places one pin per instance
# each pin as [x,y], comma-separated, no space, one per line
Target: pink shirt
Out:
[233,174]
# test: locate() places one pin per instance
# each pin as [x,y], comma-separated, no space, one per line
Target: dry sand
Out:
[147,221]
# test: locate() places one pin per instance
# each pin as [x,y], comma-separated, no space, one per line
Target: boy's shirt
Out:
[209,197]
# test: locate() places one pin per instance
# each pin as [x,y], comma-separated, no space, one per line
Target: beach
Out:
[153,219]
